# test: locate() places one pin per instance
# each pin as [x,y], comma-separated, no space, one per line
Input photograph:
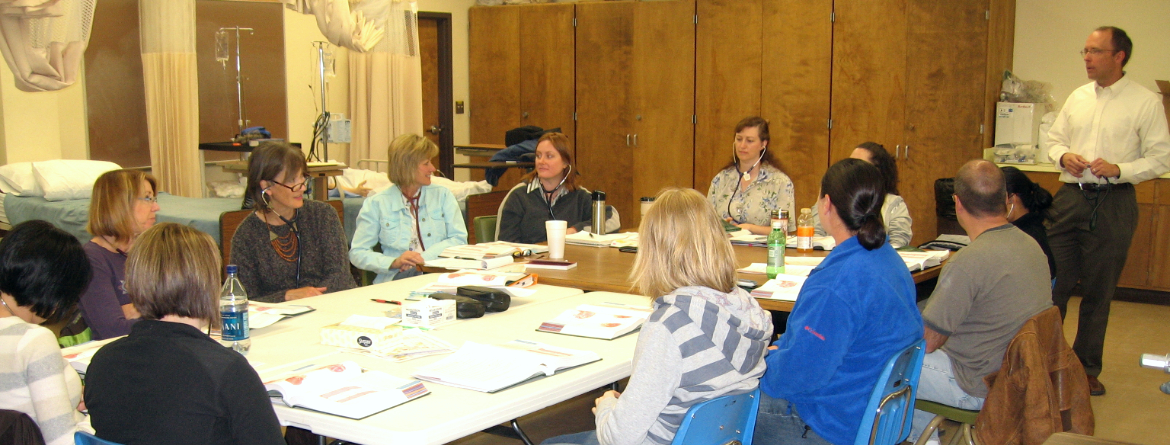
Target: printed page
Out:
[597,321]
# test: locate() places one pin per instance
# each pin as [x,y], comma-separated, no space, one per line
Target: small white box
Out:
[429,313]
[1017,124]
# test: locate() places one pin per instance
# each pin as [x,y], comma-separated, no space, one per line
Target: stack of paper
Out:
[470,263]
[818,242]
[924,260]
[783,287]
[411,344]
[490,368]
[477,251]
[343,389]
[262,315]
[606,322]
[746,238]
[789,269]
[589,239]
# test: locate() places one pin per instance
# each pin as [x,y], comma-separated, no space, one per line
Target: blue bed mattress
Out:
[72,215]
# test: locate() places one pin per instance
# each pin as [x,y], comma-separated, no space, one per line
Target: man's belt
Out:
[1099,187]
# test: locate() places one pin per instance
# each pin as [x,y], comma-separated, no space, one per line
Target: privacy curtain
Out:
[172,94]
[43,41]
[385,72]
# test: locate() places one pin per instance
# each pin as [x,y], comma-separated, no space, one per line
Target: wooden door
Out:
[798,57]
[869,75]
[664,76]
[604,57]
[546,67]
[728,75]
[945,84]
[494,61]
[432,89]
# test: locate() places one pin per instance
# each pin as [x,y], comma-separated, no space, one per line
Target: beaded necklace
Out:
[287,245]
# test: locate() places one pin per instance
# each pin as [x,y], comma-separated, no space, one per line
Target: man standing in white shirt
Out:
[1110,135]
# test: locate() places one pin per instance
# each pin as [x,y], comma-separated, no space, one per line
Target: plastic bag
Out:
[1017,90]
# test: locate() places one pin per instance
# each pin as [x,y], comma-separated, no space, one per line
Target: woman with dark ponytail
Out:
[855,311]
[1028,204]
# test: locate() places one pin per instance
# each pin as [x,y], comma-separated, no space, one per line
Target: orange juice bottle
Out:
[804,231]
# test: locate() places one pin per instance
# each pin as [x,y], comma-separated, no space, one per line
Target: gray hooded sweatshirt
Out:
[699,344]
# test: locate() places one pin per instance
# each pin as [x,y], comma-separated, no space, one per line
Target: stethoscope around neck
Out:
[548,194]
[744,175]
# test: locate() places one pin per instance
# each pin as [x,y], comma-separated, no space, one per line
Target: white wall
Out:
[1049,34]
[303,81]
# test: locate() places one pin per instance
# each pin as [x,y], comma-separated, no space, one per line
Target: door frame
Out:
[446,95]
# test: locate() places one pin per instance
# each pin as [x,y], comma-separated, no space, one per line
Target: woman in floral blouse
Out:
[751,187]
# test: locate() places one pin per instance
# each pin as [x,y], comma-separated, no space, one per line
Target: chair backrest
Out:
[485,229]
[725,420]
[84,438]
[890,410]
[500,211]
[18,428]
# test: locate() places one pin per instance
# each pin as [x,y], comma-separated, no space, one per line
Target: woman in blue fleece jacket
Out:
[854,312]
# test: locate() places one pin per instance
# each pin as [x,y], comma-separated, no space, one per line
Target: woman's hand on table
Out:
[757,230]
[570,230]
[304,292]
[407,260]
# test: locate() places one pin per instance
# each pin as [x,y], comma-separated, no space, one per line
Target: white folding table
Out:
[447,413]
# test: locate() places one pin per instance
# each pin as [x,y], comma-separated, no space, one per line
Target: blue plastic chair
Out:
[728,419]
[890,410]
[84,438]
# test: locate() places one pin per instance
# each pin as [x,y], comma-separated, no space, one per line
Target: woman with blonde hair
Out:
[168,381]
[686,265]
[123,205]
[289,247]
[412,220]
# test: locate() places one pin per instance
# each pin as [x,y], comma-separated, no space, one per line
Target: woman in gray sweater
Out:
[686,264]
[289,248]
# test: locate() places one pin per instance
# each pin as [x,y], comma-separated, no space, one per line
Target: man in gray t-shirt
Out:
[984,295]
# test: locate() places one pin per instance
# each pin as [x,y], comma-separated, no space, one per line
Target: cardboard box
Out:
[429,313]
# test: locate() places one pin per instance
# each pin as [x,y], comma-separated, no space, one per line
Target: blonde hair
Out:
[111,206]
[682,243]
[405,154]
[174,270]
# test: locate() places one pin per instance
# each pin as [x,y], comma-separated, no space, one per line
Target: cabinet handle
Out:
[635,139]
[627,140]
[524,115]
[907,152]
[897,151]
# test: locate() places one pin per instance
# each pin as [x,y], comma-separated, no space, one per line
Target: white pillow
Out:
[17,179]
[69,179]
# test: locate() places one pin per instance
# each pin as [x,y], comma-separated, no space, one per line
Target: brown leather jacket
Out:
[1041,389]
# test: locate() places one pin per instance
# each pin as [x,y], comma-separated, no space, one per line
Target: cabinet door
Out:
[494,58]
[945,84]
[728,75]
[1159,270]
[1144,268]
[664,76]
[798,53]
[869,75]
[604,60]
[546,66]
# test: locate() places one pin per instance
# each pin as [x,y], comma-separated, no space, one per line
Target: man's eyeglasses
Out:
[298,187]
[1095,51]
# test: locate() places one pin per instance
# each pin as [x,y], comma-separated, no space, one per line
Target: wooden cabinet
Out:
[917,76]
[633,60]
[920,96]
[521,60]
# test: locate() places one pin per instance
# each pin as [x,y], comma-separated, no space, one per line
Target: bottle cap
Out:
[231,269]
[598,195]
[647,199]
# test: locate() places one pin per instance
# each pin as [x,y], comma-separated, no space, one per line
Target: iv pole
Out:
[324,104]
[239,81]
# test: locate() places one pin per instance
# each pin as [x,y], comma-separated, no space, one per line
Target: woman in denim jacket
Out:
[412,221]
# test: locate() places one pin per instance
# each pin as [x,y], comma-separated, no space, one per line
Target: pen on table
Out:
[386,301]
[304,367]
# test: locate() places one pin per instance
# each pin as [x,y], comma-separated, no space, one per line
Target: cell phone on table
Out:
[628,249]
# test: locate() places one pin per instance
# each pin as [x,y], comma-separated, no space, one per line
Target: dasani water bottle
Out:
[233,308]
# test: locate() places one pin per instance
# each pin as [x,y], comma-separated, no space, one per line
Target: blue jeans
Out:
[937,384]
[583,438]
[778,423]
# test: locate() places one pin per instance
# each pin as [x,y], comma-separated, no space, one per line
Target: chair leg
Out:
[930,429]
[969,434]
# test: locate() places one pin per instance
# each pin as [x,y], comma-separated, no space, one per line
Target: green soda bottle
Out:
[777,241]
